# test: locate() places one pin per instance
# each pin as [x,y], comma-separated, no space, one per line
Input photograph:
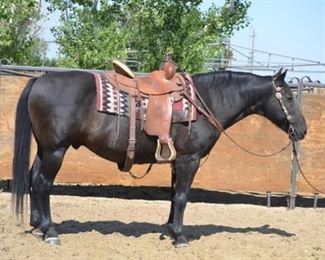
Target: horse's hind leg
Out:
[35,202]
[46,166]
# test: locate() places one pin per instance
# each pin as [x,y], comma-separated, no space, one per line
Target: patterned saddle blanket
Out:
[114,101]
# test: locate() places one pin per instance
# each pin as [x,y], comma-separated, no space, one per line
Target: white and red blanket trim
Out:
[110,99]
[114,101]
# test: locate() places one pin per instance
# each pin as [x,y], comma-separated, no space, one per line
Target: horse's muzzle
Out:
[296,133]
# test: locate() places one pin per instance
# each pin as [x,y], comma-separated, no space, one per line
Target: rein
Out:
[292,134]
[295,156]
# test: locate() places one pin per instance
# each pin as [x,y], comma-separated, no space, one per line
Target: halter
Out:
[278,95]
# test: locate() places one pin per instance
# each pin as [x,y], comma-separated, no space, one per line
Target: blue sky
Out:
[290,27]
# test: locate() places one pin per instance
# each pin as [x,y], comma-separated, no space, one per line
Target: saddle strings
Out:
[143,175]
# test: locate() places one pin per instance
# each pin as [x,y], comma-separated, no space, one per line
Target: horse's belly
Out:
[113,147]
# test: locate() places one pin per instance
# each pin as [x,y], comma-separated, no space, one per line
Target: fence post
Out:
[315,200]
[293,178]
[294,163]
[268,201]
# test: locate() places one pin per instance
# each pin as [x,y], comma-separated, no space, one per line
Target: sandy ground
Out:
[105,228]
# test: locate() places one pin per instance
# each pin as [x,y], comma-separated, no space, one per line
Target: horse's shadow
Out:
[137,229]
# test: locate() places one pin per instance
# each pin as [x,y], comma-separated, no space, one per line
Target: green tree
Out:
[92,32]
[18,32]
[89,35]
[180,27]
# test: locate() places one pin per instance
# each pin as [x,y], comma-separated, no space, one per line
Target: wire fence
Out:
[259,61]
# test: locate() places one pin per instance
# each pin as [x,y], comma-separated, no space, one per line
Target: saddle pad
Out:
[114,101]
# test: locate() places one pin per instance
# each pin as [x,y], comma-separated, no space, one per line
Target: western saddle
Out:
[161,87]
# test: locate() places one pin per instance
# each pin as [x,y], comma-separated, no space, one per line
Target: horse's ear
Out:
[276,75]
[280,75]
[284,73]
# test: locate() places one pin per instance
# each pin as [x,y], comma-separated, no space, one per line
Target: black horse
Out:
[60,110]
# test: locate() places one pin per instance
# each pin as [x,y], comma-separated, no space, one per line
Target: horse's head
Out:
[282,109]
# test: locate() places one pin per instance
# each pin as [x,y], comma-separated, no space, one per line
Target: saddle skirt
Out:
[112,100]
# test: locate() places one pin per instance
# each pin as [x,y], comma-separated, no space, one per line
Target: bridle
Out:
[292,134]
[279,97]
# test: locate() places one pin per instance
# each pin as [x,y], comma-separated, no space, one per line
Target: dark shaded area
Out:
[137,229]
[163,193]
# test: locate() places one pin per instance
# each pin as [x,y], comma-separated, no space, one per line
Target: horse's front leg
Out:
[184,169]
[172,195]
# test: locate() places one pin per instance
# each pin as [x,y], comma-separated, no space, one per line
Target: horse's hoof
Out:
[166,232]
[36,232]
[165,235]
[54,241]
[170,231]
[181,242]
[162,236]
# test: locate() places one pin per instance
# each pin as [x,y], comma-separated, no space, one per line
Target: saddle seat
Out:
[158,82]
[161,87]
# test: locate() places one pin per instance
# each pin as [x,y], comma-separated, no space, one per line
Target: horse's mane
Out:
[224,78]
[251,87]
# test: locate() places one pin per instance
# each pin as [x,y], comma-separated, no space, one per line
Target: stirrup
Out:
[160,151]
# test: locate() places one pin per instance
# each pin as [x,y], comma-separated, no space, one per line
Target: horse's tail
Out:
[20,164]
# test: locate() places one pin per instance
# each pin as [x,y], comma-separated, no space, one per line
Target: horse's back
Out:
[59,104]
[63,85]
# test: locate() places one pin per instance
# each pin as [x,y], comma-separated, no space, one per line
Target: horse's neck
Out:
[231,102]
